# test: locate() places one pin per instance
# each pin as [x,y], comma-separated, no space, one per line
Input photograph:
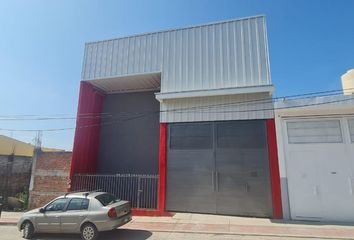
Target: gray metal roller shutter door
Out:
[219,167]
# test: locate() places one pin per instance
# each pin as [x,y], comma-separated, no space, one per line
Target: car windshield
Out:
[107,199]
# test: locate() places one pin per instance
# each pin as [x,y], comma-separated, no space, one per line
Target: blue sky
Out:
[311,44]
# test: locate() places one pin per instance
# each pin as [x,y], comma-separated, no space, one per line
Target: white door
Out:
[303,186]
[319,159]
[338,201]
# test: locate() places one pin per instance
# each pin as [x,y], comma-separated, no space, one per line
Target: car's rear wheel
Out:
[89,232]
[27,230]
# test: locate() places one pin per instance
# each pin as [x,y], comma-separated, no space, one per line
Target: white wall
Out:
[217,108]
[340,107]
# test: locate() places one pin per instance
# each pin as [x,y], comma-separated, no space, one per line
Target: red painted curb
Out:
[150,213]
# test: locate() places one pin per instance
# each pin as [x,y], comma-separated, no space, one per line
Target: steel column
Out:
[274,169]
[162,168]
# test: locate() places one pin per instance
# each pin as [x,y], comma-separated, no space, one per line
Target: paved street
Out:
[11,233]
[202,226]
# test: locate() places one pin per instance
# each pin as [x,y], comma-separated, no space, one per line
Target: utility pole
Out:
[36,151]
[8,176]
[38,140]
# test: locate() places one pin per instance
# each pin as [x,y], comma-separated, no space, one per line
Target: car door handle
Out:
[246,187]
[350,186]
[315,190]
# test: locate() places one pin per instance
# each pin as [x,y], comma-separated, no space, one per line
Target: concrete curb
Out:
[11,223]
[244,230]
[253,234]
[8,223]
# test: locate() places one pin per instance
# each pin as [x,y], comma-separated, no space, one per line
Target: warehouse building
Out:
[192,105]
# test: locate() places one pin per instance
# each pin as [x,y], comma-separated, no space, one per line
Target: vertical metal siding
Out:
[221,55]
[219,108]
[127,145]
[86,142]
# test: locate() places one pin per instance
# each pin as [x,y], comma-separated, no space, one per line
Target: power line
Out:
[145,115]
[123,114]
[71,128]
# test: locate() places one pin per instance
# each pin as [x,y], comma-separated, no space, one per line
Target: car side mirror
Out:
[42,210]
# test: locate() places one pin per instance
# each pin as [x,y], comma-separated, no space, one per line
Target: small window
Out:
[316,131]
[241,134]
[78,204]
[57,205]
[107,199]
[191,136]
[351,129]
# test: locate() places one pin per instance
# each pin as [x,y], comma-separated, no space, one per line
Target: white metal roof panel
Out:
[227,54]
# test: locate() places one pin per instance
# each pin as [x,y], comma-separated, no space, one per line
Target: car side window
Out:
[78,204]
[57,205]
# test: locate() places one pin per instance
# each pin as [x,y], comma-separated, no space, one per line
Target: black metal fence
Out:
[139,189]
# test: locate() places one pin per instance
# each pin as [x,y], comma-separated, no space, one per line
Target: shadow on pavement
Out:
[118,234]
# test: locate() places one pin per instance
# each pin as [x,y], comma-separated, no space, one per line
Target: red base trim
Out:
[150,213]
[274,169]
[162,168]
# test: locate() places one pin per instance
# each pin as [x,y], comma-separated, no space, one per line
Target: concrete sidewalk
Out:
[10,218]
[216,224]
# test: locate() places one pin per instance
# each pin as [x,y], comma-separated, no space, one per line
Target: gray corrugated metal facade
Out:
[221,55]
[119,142]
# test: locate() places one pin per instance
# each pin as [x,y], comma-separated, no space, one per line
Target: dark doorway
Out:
[129,135]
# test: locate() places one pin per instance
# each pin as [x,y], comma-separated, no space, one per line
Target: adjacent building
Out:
[316,156]
[16,160]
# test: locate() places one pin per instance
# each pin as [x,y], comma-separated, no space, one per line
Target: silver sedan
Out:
[87,213]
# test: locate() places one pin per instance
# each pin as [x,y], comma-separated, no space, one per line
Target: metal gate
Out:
[139,189]
[319,157]
[219,167]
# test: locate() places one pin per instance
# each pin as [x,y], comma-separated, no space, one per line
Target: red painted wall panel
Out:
[274,169]
[86,141]
[162,168]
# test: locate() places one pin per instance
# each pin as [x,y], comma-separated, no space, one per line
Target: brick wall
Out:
[51,177]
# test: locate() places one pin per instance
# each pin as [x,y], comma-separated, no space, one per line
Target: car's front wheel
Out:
[27,230]
[89,232]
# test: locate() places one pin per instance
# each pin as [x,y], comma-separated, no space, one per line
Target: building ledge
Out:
[214,92]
